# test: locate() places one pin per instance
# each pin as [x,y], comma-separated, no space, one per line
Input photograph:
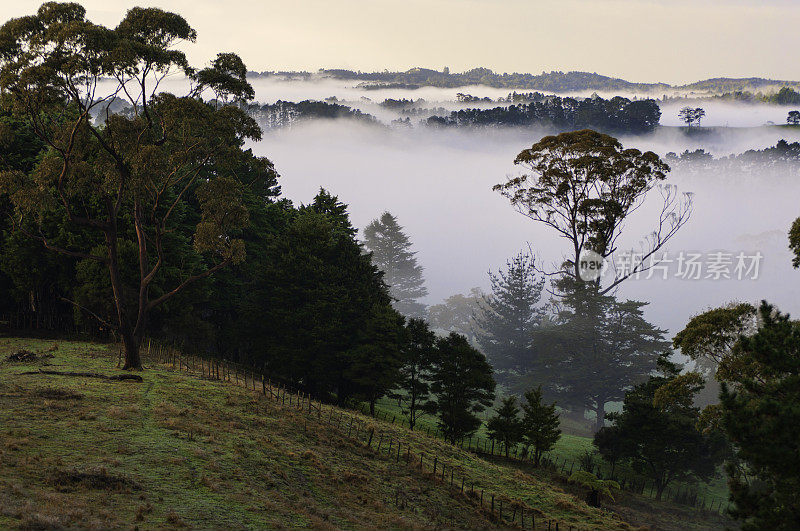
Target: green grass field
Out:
[178,450]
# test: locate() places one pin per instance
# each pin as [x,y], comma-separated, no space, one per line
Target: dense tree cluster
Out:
[779,160]
[658,430]
[615,115]
[554,81]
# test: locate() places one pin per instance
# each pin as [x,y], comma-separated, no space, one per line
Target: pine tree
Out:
[329,205]
[761,416]
[391,253]
[417,354]
[505,426]
[599,347]
[510,316]
[540,424]
[462,381]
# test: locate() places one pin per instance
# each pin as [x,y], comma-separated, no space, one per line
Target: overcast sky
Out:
[675,41]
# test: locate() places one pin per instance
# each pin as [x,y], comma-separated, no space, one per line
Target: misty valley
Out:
[418,298]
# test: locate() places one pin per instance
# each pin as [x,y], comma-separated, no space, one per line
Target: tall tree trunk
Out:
[130,342]
[660,490]
[132,358]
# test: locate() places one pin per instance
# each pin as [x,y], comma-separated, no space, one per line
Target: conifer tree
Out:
[462,381]
[417,354]
[598,348]
[540,424]
[510,316]
[505,426]
[761,416]
[391,253]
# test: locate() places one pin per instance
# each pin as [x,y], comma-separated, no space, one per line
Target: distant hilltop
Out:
[546,81]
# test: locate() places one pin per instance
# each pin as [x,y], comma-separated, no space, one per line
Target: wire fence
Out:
[286,395]
[682,494]
[387,444]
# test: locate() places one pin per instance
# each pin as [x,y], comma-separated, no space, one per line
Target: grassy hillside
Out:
[180,450]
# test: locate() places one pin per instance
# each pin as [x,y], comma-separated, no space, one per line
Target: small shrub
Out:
[22,355]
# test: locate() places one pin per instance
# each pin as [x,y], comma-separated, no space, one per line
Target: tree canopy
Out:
[134,179]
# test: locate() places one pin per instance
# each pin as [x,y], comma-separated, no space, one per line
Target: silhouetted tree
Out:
[461,380]
[584,185]
[793,118]
[417,355]
[540,424]
[691,115]
[505,426]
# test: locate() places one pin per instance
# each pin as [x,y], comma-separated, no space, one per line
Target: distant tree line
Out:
[284,113]
[783,96]
[554,81]
[781,159]
[615,115]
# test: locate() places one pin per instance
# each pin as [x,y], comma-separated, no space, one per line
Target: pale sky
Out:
[674,41]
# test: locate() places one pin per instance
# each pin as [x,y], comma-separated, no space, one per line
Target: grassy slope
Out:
[182,450]
[570,447]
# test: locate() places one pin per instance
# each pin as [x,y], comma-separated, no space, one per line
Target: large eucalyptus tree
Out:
[129,176]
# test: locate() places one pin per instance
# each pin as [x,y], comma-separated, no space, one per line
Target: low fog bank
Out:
[728,114]
[438,183]
[719,141]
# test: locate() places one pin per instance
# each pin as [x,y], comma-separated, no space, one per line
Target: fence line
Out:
[283,393]
[386,444]
[681,494]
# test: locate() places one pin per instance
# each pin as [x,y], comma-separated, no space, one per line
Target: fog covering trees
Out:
[755,357]
[615,115]
[598,348]
[458,313]
[584,185]
[391,252]
[510,315]
[129,179]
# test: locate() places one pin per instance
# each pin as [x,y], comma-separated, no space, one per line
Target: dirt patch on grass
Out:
[95,479]
[52,393]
